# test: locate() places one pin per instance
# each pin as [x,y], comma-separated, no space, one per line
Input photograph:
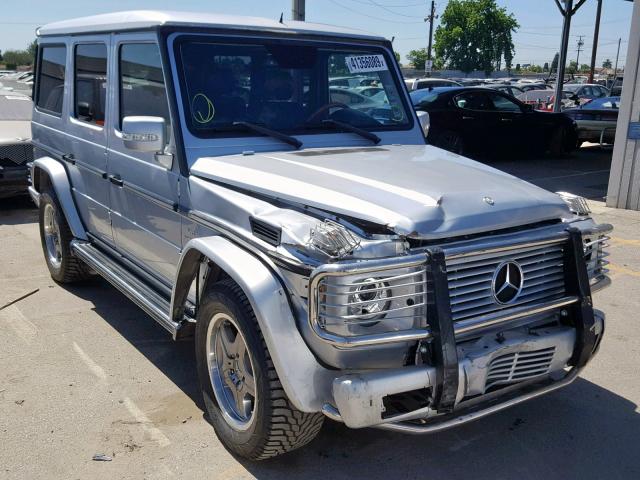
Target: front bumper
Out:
[460,380]
[360,399]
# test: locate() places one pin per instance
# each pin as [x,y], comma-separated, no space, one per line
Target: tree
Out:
[475,35]
[573,67]
[0,55]
[585,68]
[417,58]
[32,48]
[554,62]
[607,63]
[18,57]
[546,67]
[397,55]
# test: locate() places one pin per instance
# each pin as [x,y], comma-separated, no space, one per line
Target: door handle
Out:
[506,119]
[68,157]
[116,180]
[468,118]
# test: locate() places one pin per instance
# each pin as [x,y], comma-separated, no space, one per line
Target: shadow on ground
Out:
[18,211]
[583,431]
[585,172]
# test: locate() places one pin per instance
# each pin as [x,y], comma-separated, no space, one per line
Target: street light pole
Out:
[596,32]
[297,10]
[615,70]
[567,12]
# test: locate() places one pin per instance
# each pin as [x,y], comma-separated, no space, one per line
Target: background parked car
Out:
[596,119]
[15,143]
[525,87]
[420,83]
[576,94]
[508,89]
[469,120]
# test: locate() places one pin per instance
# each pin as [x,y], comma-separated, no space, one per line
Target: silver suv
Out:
[327,261]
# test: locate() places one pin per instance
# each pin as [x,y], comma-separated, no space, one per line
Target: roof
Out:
[148,19]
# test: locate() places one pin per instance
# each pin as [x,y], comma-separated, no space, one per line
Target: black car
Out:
[508,89]
[469,120]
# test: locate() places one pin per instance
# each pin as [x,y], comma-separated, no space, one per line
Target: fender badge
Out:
[488,201]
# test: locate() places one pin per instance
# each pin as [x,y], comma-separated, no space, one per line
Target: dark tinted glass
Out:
[603,103]
[51,79]
[142,90]
[90,83]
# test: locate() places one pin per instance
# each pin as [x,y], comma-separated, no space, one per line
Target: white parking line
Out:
[154,433]
[16,321]
[91,365]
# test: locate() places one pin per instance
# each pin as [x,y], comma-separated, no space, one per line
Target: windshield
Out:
[286,86]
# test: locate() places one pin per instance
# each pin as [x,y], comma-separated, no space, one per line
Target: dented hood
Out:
[414,190]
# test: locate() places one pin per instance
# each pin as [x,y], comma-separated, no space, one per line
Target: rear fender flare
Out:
[305,381]
[62,187]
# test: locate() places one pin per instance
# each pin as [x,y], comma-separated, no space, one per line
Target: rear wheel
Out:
[558,144]
[451,141]
[56,236]
[245,401]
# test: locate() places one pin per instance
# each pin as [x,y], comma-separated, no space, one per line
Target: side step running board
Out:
[156,305]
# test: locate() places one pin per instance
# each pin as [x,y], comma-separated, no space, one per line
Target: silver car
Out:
[327,261]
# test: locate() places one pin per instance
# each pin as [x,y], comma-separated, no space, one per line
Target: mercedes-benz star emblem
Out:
[507,282]
[488,201]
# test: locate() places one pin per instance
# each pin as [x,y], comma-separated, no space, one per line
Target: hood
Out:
[414,190]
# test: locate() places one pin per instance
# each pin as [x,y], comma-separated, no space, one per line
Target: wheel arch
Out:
[305,381]
[46,172]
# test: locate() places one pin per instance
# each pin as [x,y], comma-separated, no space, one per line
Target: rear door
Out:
[87,151]
[144,195]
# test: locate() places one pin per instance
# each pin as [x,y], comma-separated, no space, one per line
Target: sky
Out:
[536,41]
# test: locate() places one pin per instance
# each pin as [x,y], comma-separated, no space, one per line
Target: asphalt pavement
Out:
[83,372]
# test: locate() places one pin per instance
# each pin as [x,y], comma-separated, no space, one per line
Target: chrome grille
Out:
[519,366]
[470,279]
[17,154]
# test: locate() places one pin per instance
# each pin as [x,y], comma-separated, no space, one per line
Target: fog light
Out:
[370,300]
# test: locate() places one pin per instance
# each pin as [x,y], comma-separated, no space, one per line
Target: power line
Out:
[386,9]
[372,16]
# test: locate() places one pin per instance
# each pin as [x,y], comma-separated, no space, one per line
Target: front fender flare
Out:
[305,381]
[61,185]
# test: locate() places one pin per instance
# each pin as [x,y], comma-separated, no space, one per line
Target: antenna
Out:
[281,15]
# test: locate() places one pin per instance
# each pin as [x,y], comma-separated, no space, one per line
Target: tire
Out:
[56,236]
[451,141]
[557,147]
[266,424]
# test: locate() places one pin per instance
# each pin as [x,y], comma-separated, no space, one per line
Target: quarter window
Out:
[51,79]
[90,83]
[142,89]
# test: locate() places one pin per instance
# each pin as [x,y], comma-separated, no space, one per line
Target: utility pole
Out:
[430,18]
[567,12]
[297,10]
[615,70]
[580,44]
[594,49]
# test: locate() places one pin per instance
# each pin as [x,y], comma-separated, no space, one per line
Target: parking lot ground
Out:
[83,372]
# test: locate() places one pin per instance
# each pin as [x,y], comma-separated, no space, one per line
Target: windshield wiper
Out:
[358,131]
[271,133]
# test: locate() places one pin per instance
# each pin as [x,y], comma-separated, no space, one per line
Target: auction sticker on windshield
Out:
[366,63]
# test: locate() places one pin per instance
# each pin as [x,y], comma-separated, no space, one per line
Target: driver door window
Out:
[503,104]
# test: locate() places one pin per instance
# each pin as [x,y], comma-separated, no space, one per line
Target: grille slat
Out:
[470,279]
[519,366]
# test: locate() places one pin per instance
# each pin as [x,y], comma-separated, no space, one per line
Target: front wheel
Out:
[245,401]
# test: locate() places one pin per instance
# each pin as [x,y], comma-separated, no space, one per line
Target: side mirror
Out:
[84,110]
[423,118]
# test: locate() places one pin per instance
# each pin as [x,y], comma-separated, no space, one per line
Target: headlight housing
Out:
[576,203]
[595,255]
[369,298]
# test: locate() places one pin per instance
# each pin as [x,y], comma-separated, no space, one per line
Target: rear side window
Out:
[142,90]
[51,79]
[90,83]
[473,101]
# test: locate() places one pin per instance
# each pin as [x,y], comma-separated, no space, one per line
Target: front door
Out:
[87,151]
[144,194]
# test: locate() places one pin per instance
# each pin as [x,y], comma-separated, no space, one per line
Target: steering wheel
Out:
[315,115]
